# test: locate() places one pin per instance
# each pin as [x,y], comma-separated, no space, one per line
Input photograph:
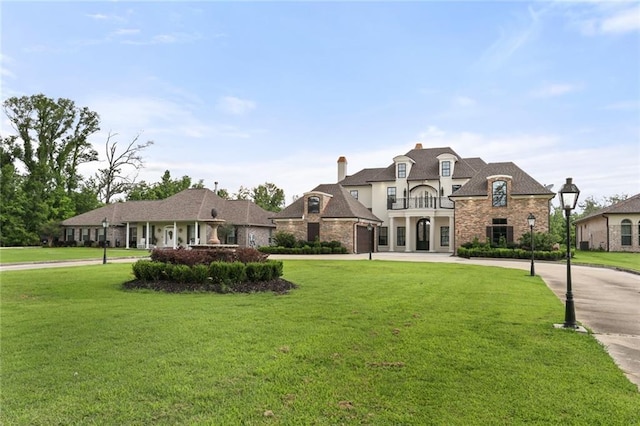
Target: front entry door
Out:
[422,234]
[168,236]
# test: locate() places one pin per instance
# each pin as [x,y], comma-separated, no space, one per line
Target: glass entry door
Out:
[422,234]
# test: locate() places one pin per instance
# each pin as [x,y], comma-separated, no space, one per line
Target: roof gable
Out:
[521,184]
[629,206]
[340,205]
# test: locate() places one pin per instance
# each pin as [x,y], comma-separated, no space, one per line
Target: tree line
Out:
[40,181]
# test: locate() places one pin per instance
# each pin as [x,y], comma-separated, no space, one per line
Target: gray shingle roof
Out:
[629,206]
[426,167]
[522,183]
[341,205]
[189,205]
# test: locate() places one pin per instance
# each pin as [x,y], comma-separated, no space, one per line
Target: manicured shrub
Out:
[284,239]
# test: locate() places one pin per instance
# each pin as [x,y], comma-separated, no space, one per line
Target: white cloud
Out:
[125,31]
[235,106]
[464,101]
[627,20]
[624,105]
[553,89]
[598,18]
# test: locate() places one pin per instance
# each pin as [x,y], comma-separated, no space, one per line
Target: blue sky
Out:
[249,92]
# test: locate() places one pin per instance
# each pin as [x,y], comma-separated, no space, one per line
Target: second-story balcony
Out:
[419,202]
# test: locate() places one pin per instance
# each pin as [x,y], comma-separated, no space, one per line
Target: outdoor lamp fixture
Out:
[569,199]
[370,228]
[532,222]
[105,225]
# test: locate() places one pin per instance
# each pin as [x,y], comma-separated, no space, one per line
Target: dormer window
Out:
[446,168]
[402,170]
[499,193]
[313,205]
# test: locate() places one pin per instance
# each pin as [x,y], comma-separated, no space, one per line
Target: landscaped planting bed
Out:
[222,271]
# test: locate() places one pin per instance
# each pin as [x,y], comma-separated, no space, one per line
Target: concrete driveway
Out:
[606,301]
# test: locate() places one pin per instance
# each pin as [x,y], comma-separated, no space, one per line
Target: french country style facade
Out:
[431,200]
[180,220]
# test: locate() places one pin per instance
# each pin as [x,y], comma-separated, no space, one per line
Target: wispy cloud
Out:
[513,37]
[4,71]
[125,32]
[551,90]
[464,101]
[604,18]
[624,105]
[235,106]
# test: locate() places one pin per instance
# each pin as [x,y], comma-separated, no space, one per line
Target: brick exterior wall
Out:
[472,216]
[342,231]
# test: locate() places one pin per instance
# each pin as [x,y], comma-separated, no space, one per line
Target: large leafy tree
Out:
[50,145]
[268,196]
[13,229]
[163,189]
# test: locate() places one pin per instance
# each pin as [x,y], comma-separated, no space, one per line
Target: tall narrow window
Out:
[625,232]
[446,168]
[499,193]
[391,197]
[444,236]
[383,236]
[401,235]
[69,234]
[314,205]
[402,170]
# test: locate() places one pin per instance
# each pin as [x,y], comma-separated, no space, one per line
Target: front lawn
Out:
[359,342]
[53,254]
[630,261]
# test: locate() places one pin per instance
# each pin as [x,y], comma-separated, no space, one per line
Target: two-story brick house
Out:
[434,200]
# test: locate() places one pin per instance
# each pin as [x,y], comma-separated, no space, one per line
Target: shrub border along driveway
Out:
[607,301]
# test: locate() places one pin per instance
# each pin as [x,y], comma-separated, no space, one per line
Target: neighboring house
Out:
[613,228]
[434,200]
[330,213]
[179,220]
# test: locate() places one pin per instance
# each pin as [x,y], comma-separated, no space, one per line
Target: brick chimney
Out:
[418,146]
[342,168]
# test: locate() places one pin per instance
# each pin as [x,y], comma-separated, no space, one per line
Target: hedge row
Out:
[182,256]
[510,253]
[302,250]
[222,277]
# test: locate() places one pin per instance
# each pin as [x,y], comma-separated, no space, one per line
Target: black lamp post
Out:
[370,228]
[105,225]
[569,199]
[532,222]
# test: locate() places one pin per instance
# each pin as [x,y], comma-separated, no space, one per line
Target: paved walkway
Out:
[606,301]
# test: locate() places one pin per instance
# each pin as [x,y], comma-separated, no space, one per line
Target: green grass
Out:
[51,254]
[359,342]
[629,261]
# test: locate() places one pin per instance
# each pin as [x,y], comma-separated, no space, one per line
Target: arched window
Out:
[499,193]
[625,232]
[314,205]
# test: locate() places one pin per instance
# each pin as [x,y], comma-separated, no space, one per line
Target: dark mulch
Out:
[279,286]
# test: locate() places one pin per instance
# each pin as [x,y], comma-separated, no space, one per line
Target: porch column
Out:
[391,235]
[127,236]
[407,233]
[146,243]
[196,235]
[175,235]
[432,235]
